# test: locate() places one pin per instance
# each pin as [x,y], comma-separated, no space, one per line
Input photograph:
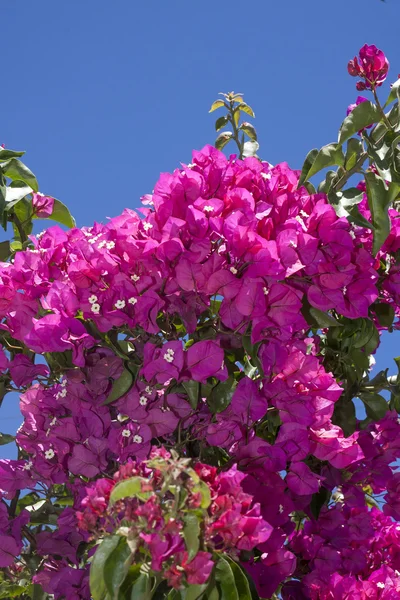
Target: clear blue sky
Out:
[106,95]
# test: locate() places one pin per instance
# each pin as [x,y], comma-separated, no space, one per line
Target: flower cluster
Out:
[158,504]
[233,322]
[371,65]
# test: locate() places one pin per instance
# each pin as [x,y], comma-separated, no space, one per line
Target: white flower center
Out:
[28,465]
[120,304]
[169,355]
[147,226]
[95,308]
[208,208]
[266,175]
[132,301]
[126,433]
[143,400]
[49,454]
[233,270]
[135,277]
[137,439]
[92,299]
[110,245]
[266,291]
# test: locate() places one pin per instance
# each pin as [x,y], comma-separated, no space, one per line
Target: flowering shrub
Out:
[190,428]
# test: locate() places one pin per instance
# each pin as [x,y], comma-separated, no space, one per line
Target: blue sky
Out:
[105,95]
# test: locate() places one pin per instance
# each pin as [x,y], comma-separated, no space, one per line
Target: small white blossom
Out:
[147,226]
[147,389]
[280,509]
[300,220]
[169,357]
[53,421]
[266,175]
[126,433]
[110,245]
[28,465]
[120,304]
[304,214]
[292,244]
[344,290]
[95,308]
[208,208]
[352,235]
[233,270]
[380,585]
[143,400]
[135,278]
[92,299]
[49,454]
[64,383]
[266,291]
[132,301]
[101,245]
[137,439]
[191,165]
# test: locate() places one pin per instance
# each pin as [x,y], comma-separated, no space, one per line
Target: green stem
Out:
[384,117]
[235,129]
[18,225]
[342,181]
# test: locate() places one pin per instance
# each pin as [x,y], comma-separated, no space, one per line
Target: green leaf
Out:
[17,171]
[384,313]
[120,387]
[380,129]
[223,139]
[202,488]
[213,594]
[5,250]
[326,183]
[242,584]
[378,205]
[15,192]
[309,160]
[344,415]
[318,500]
[193,592]
[10,590]
[98,588]
[226,580]
[191,533]
[324,319]
[376,406]
[353,151]
[36,592]
[61,215]
[221,395]
[7,154]
[6,438]
[363,115]
[220,123]
[331,154]
[246,109]
[141,589]
[394,93]
[116,567]
[192,389]
[249,130]
[216,104]
[129,488]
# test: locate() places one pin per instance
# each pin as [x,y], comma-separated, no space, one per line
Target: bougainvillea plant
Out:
[200,420]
